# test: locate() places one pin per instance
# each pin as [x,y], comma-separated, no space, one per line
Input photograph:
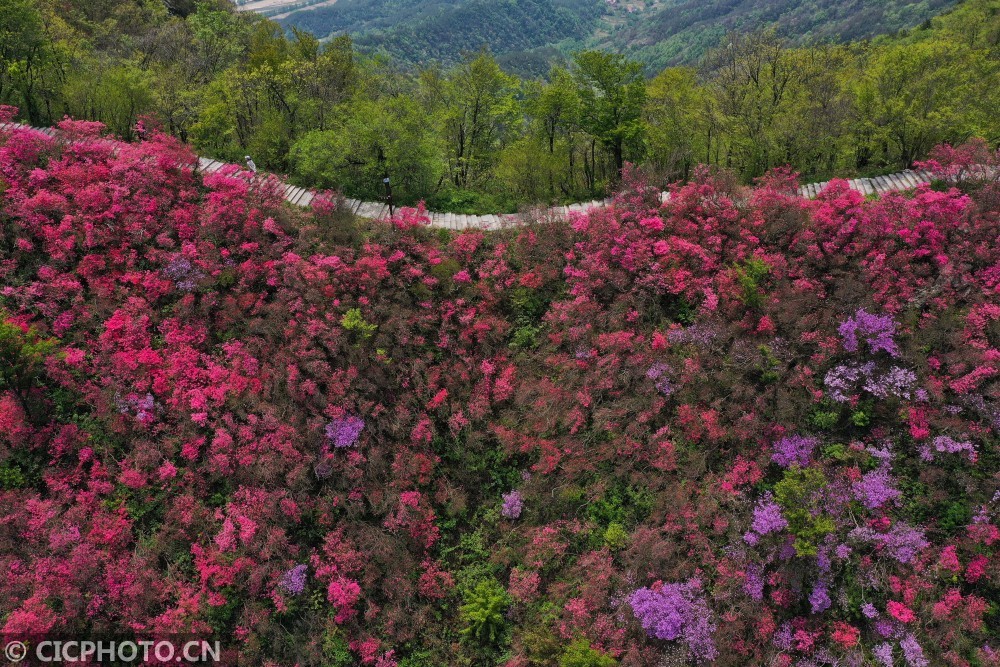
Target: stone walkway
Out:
[904,180]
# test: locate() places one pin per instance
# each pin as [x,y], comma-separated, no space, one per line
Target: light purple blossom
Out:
[784,637]
[697,334]
[875,488]
[143,407]
[894,382]
[885,628]
[840,380]
[677,611]
[787,550]
[794,450]
[912,652]
[345,432]
[883,453]
[820,598]
[513,504]
[323,469]
[846,379]
[902,541]
[823,561]
[883,653]
[753,582]
[877,331]
[767,518]
[294,580]
[947,445]
[183,273]
[658,372]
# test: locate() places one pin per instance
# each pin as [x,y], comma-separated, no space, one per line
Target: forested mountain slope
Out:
[422,30]
[680,31]
[657,32]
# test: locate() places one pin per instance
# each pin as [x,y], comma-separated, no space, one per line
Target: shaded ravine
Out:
[904,180]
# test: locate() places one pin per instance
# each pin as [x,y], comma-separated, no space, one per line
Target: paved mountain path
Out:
[904,180]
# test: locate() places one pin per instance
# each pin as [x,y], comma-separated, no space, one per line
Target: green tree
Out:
[813,132]
[799,495]
[380,138]
[612,92]
[25,54]
[914,96]
[679,117]
[116,95]
[324,78]
[752,76]
[480,112]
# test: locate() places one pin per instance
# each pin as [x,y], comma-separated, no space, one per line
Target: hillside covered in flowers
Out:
[737,428]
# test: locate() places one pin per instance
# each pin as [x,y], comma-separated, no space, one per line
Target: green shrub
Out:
[12,478]
[749,275]
[336,652]
[797,494]
[955,516]
[525,338]
[353,321]
[824,419]
[445,269]
[483,612]
[836,451]
[622,504]
[581,654]
[23,354]
[616,537]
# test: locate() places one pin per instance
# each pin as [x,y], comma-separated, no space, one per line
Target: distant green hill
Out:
[526,34]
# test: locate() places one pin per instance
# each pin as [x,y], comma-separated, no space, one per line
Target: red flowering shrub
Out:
[738,426]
